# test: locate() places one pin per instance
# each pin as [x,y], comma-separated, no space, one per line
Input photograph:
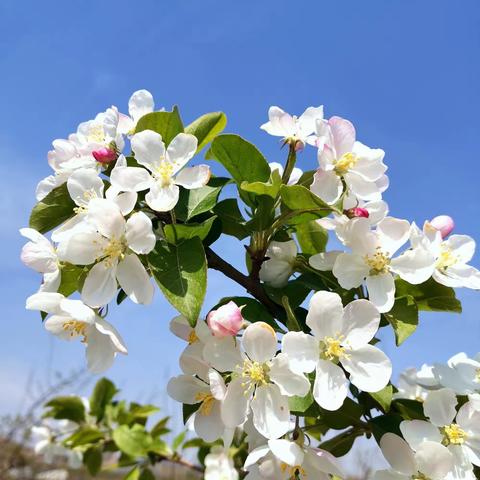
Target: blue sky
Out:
[405,72]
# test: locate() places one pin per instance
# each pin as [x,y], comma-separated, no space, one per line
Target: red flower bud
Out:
[105,155]
[357,212]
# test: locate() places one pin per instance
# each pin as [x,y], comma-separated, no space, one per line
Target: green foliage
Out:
[92,459]
[232,220]
[70,275]
[430,296]
[383,398]
[311,237]
[53,210]
[102,395]
[403,317]
[66,408]
[240,158]
[167,124]
[207,127]
[181,273]
[178,233]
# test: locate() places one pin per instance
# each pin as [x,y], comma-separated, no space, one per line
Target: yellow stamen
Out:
[453,435]
[345,163]
[207,403]
[293,472]
[164,173]
[114,250]
[332,349]
[193,337]
[96,134]
[76,328]
[255,374]
[378,262]
[420,476]
[446,258]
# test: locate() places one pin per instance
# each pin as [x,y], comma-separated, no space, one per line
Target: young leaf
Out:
[69,279]
[196,201]
[180,232]
[102,395]
[242,159]
[53,210]
[232,220]
[312,237]
[207,127]
[92,459]
[134,441]
[66,408]
[403,317]
[430,296]
[383,397]
[181,274]
[167,124]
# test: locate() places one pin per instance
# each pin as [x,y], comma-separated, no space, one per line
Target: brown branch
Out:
[250,284]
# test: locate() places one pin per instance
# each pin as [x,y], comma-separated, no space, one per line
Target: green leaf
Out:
[180,232]
[69,279]
[207,127]
[102,395]
[384,424]
[346,416]
[340,444]
[301,205]
[300,405]
[271,188]
[167,124]
[146,474]
[53,210]
[160,428]
[383,398]
[403,317]
[196,201]
[133,474]
[181,274]
[408,409]
[133,441]
[263,215]
[66,408]
[92,459]
[311,237]
[242,159]
[84,435]
[430,296]
[178,440]
[232,220]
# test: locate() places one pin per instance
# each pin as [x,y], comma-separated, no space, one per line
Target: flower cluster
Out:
[267,374]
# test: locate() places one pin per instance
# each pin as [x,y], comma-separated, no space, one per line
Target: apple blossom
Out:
[458,431]
[286,460]
[408,386]
[341,157]
[461,374]
[40,255]
[70,319]
[191,390]
[83,186]
[429,461]
[113,247]
[262,382]
[371,260]
[165,169]
[290,127]
[226,320]
[339,335]
[444,224]
[280,263]
[451,256]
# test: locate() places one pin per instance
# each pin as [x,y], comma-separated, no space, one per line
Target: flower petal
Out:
[415,265]
[271,415]
[325,314]
[82,248]
[236,404]
[193,177]
[287,452]
[361,320]
[148,148]
[398,454]
[162,199]
[415,432]
[327,186]
[301,350]
[434,460]
[331,386]
[370,369]
[289,382]
[139,233]
[393,233]
[83,185]
[181,149]
[350,270]
[381,291]
[439,406]
[260,342]
[100,285]
[186,389]
[141,102]
[134,280]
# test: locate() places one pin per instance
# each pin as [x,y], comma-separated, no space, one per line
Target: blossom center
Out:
[85,198]
[378,262]
[114,250]
[420,476]
[345,163]
[254,373]
[453,435]
[193,337]
[164,173]
[96,134]
[76,328]
[446,258]
[207,403]
[331,348]
[293,472]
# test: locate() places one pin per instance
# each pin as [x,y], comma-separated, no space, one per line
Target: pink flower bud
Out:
[357,212]
[105,155]
[226,321]
[444,224]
